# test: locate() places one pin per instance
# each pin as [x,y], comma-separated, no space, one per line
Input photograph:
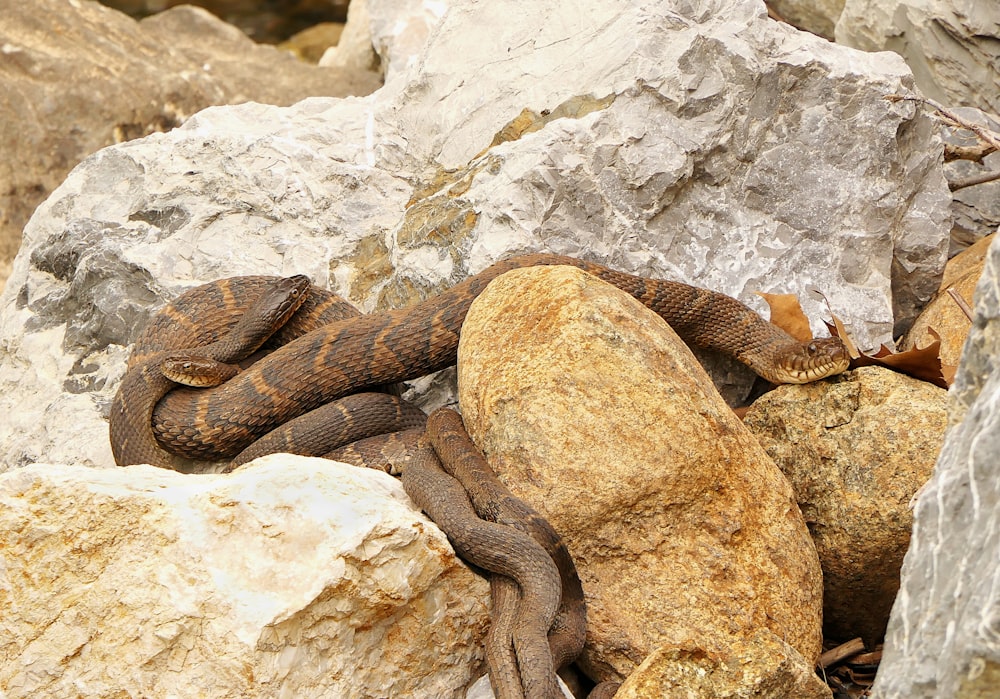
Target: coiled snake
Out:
[327,351]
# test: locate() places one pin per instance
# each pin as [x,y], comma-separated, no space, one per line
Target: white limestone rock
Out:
[290,577]
[693,139]
[943,638]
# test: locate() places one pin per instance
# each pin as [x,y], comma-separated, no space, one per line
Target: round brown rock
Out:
[856,448]
[591,409]
[759,665]
[943,315]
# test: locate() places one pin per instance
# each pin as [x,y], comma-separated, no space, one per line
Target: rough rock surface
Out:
[591,409]
[291,577]
[943,314]
[355,50]
[760,666]
[856,448]
[816,16]
[943,638]
[949,44]
[311,43]
[698,141]
[267,22]
[78,76]
[976,209]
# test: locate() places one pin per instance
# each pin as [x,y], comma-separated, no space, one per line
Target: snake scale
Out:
[327,351]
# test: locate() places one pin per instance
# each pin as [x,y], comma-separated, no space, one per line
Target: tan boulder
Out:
[758,666]
[855,448]
[816,16]
[291,577]
[591,409]
[79,76]
[943,314]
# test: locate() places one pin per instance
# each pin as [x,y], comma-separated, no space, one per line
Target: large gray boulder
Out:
[78,76]
[692,140]
[943,638]
[949,44]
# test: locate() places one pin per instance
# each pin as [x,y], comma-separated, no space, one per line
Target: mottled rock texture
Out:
[591,409]
[949,44]
[975,209]
[760,666]
[943,638]
[692,140]
[77,76]
[856,448]
[816,16]
[292,577]
[943,314]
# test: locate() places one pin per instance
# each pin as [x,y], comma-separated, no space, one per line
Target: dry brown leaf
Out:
[837,329]
[921,363]
[787,314]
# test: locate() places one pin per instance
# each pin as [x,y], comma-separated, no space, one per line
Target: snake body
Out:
[495,503]
[327,351]
[367,351]
[338,423]
[502,550]
[146,382]
[511,647]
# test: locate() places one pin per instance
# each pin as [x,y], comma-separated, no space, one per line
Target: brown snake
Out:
[335,353]
[515,636]
[367,351]
[146,382]
[518,646]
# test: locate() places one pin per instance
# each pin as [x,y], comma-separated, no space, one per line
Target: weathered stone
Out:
[591,409]
[356,48]
[267,22]
[943,638]
[311,43]
[856,449]
[975,209]
[943,315]
[760,666]
[816,16]
[78,76]
[290,577]
[970,261]
[950,45]
[695,141]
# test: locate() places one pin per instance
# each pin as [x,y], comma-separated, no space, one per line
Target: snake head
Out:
[811,361]
[193,370]
[282,299]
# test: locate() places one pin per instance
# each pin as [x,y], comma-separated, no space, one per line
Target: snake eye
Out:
[813,347]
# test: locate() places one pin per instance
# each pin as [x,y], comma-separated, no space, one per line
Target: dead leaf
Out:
[787,314]
[837,329]
[922,363]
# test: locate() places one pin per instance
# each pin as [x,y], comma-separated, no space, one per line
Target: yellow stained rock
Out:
[591,409]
